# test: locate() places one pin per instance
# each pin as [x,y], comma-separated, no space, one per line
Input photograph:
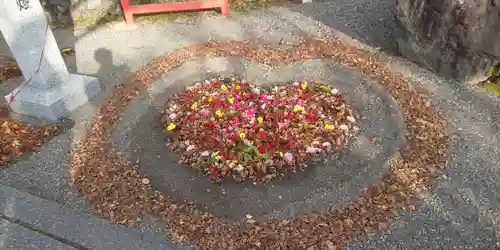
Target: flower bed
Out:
[225,126]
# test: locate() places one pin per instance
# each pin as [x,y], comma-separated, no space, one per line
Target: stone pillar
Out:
[52,92]
[454,38]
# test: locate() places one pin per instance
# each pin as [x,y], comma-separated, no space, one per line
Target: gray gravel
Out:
[460,211]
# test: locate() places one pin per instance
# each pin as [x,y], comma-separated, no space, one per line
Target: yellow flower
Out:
[242,135]
[303,85]
[214,154]
[260,119]
[341,112]
[210,99]
[329,126]
[238,87]
[194,106]
[298,108]
[223,87]
[233,164]
[170,127]
[219,113]
[281,154]
[230,100]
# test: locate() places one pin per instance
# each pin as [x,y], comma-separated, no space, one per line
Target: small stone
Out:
[249,216]
[145,181]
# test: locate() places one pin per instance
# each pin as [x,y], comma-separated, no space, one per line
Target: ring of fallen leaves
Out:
[121,194]
[225,126]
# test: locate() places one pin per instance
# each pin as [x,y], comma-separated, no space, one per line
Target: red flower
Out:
[214,172]
[188,95]
[211,124]
[217,104]
[263,133]
[215,84]
[312,117]
[234,121]
[254,126]
[261,149]
[191,117]
[306,96]
[233,137]
[225,105]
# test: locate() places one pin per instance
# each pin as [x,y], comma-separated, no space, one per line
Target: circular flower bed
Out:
[227,127]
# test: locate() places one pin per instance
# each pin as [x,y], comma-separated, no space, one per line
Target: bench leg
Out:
[129,16]
[224,9]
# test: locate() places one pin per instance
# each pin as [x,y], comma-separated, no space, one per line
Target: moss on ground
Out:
[492,83]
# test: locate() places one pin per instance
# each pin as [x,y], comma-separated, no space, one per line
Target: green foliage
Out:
[494,72]
[491,87]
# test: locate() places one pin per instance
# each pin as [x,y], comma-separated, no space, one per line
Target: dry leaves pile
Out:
[8,69]
[120,193]
[17,139]
[227,127]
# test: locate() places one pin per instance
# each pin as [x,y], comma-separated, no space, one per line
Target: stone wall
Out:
[454,38]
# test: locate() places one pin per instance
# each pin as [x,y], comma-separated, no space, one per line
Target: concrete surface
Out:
[461,209]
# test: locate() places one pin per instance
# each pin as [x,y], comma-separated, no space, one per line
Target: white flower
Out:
[172,116]
[288,157]
[335,91]
[239,168]
[205,153]
[313,150]
[190,147]
[344,127]
[351,119]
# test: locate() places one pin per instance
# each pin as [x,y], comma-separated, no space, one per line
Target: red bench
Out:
[130,10]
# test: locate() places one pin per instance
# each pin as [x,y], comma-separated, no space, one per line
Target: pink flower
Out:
[204,112]
[251,112]
[301,103]
[263,97]
[288,157]
[237,104]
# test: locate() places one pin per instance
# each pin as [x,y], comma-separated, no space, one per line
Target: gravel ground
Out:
[459,212]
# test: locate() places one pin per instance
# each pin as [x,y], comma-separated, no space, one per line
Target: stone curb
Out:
[78,230]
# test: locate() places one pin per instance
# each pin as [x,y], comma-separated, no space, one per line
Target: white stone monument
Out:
[52,92]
